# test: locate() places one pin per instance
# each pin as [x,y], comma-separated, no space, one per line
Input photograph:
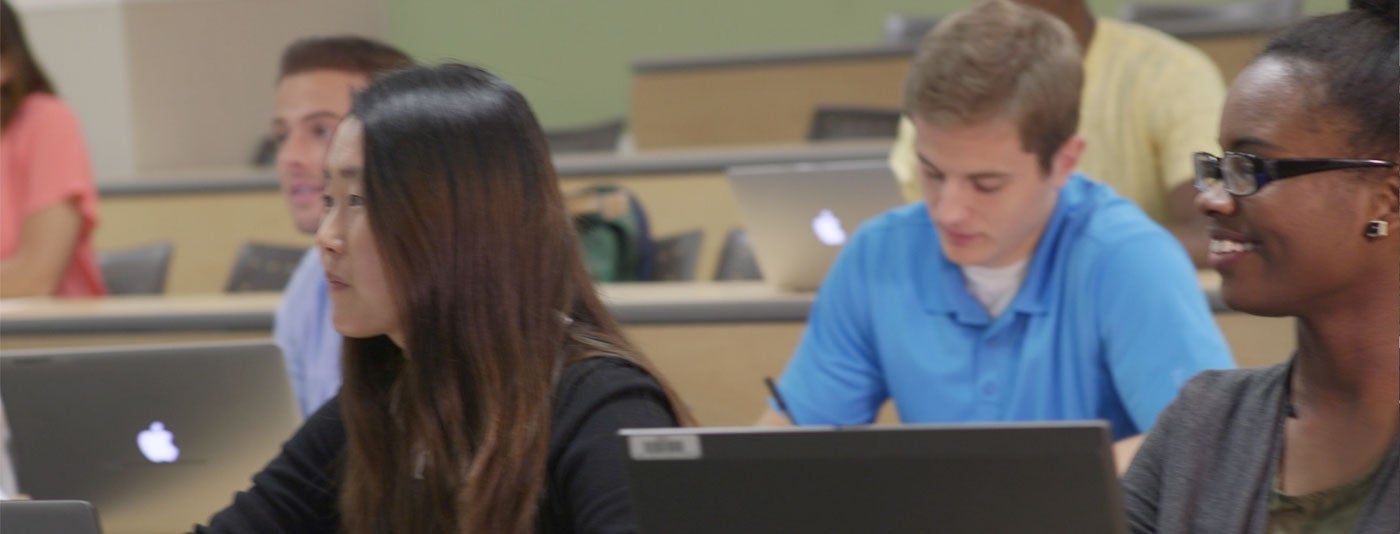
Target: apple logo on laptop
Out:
[157,444]
[828,229]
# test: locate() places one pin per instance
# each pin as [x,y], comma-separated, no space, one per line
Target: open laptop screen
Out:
[156,437]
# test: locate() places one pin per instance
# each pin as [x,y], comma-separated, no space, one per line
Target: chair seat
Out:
[263,267]
[136,271]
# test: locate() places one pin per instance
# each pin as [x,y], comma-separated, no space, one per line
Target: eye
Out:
[327,202]
[357,200]
[322,131]
[933,175]
[987,186]
[279,138]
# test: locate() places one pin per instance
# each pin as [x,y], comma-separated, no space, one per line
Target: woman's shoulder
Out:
[45,106]
[603,394]
[1232,382]
[42,115]
[1217,397]
[602,376]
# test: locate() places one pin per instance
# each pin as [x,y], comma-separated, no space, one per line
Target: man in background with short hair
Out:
[1018,290]
[315,87]
[1150,102]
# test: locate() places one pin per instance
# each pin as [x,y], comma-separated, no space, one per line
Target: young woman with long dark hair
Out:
[484,381]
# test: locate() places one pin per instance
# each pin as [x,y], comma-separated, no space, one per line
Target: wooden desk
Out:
[769,97]
[714,341]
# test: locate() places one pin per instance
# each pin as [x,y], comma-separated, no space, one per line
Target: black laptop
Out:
[48,517]
[983,478]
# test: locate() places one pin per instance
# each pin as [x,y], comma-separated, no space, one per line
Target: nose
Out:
[949,201]
[1215,200]
[293,154]
[329,235]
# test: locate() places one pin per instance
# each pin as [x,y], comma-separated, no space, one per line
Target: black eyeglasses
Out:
[1243,174]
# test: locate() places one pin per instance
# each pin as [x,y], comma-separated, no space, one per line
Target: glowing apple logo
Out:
[828,229]
[157,444]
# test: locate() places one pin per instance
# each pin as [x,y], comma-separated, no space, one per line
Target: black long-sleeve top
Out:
[586,488]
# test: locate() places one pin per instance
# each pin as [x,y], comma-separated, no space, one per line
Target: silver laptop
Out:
[157,438]
[48,517]
[799,215]
[1053,477]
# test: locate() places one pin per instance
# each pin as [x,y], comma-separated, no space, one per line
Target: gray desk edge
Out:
[568,166]
[659,64]
[786,310]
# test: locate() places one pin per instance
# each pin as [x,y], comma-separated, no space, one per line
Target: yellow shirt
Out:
[1150,102]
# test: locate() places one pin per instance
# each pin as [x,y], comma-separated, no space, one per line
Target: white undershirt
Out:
[994,287]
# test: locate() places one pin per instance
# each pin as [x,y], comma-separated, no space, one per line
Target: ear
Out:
[1066,159]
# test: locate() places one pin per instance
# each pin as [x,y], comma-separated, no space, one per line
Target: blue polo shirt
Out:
[1109,322]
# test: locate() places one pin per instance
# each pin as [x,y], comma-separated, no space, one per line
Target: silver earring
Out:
[1377,229]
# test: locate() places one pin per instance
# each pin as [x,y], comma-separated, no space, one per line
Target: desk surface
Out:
[632,304]
[650,303]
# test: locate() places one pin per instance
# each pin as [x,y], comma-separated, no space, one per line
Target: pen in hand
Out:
[778,398]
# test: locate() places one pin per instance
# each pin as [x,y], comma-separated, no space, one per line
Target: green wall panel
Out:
[571,58]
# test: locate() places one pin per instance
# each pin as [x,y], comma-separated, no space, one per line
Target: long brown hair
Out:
[25,77]
[451,434]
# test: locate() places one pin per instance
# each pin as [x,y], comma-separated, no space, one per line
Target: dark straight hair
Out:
[495,300]
[26,77]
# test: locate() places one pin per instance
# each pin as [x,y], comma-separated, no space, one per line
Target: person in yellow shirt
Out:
[1149,102]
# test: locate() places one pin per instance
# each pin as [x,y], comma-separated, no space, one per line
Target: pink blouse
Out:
[43,161]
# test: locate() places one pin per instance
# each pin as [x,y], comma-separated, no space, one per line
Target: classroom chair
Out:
[906,30]
[736,260]
[263,267]
[677,256]
[136,271]
[848,122]
[600,137]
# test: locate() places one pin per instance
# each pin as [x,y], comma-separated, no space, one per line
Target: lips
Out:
[959,239]
[1228,247]
[335,282]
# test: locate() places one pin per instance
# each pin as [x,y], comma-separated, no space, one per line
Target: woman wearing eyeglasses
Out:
[1304,206]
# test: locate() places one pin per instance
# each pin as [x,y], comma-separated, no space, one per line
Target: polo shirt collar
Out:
[943,289]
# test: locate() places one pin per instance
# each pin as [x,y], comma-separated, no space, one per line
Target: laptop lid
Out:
[799,215]
[156,437]
[1024,477]
[48,517]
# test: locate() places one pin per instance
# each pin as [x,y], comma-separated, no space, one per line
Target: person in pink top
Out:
[48,204]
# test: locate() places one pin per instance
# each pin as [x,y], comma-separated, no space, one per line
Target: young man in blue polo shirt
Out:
[1018,290]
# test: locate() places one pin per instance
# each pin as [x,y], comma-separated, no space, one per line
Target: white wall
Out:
[172,88]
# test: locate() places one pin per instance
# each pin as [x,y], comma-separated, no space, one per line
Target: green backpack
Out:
[614,234]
